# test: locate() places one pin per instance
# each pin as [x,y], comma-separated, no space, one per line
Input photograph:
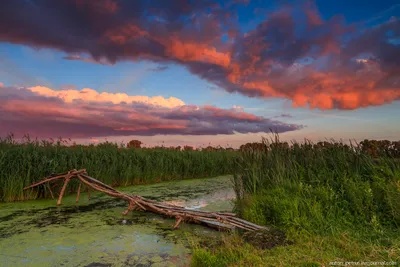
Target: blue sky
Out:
[22,64]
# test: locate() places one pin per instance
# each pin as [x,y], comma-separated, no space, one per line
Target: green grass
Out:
[309,250]
[335,202]
[22,164]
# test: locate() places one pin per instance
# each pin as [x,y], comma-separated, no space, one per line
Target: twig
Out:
[63,189]
[178,221]
[78,193]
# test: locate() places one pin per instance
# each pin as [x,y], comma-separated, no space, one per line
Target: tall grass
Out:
[23,163]
[334,200]
[312,188]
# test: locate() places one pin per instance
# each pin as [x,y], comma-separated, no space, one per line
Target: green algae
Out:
[94,233]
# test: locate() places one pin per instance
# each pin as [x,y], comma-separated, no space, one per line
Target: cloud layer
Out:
[43,112]
[293,53]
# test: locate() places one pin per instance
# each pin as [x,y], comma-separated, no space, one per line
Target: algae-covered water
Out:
[94,232]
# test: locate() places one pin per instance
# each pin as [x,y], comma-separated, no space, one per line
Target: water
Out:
[94,233]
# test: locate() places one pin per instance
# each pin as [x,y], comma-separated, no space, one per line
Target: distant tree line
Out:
[375,148]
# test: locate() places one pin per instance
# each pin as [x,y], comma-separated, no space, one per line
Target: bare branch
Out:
[218,220]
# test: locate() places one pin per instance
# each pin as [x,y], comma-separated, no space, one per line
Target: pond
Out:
[94,232]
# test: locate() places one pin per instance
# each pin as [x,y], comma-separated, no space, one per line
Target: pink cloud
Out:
[44,112]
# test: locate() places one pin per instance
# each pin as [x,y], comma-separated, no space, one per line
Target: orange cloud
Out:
[197,52]
[179,49]
[327,91]
[125,33]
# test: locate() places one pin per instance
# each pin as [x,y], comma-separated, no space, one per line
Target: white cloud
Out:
[90,95]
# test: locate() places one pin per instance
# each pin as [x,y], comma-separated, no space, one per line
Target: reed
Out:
[23,163]
[337,202]
[312,187]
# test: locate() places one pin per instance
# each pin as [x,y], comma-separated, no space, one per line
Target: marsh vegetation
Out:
[329,201]
[336,202]
[25,162]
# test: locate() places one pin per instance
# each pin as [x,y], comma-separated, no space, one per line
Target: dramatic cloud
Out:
[294,53]
[43,112]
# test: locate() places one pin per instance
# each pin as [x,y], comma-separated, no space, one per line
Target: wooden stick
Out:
[140,205]
[98,188]
[48,179]
[178,221]
[62,191]
[98,182]
[78,193]
[44,181]
[130,207]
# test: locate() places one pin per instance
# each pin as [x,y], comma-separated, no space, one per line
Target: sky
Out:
[200,72]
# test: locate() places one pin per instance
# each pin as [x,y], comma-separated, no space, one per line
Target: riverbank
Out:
[336,203]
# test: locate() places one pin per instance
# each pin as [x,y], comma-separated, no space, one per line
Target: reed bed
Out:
[311,187]
[337,202]
[23,163]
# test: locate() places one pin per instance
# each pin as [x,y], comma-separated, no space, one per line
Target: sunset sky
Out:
[200,71]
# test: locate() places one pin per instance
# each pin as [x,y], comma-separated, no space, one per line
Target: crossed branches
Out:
[218,220]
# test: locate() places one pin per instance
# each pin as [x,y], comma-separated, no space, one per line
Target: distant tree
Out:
[395,149]
[279,145]
[134,144]
[178,148]
[258,146]
[209,148]
[188,148]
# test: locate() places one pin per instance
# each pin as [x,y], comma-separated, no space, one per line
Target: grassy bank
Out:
[335,202]
[22,164]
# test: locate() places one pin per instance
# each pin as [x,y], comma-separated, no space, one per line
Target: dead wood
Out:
[218,220]
[78,193]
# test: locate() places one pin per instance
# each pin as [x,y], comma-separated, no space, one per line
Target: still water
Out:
[94,233]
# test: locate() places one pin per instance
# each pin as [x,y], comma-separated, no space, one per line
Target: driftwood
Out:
[218,220]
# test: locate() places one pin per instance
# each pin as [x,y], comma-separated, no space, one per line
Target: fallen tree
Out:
[218,220]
